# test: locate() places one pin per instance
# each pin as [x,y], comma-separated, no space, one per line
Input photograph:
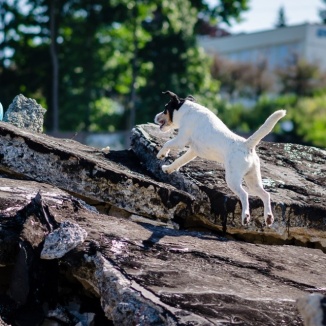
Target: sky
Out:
[263,14]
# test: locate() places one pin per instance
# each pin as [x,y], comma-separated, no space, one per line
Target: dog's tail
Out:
[265,129]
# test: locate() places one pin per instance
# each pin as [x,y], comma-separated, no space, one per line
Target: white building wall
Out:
[316,45]
[277,45]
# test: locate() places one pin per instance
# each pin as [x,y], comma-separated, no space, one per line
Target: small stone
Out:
[106,149]
[25,113]
[67,237]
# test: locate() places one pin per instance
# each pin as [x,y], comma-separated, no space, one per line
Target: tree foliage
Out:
[301,77]
[113,57]
[242,79]
[309,118]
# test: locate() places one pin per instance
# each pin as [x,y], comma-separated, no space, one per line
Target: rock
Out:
[149,264]
[2,323]
[313,309]
[106,181]
[295,176]
[106,149]
[148,274]
[65,238]
[86,319]
[25,113]
[59,314]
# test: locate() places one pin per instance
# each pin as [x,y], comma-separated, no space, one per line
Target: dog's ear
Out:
[190,98]
[173,96]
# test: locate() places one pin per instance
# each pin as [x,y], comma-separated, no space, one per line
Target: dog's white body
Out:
[208,137]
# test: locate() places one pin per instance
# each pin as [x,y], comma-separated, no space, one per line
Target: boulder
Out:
[295,176]
[25,113]
[143,272]
[105,237]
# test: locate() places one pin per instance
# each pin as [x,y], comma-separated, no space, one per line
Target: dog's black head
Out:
[175,103]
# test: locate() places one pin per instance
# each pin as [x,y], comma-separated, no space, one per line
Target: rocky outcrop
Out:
[295,176]
[195,197]
[92,237]
[107,181]
[143,272]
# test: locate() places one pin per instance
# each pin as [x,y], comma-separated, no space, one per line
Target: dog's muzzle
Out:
[159,120]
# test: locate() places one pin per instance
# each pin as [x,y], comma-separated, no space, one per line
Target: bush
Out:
[309,118]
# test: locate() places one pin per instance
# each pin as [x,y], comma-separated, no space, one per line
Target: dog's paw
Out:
[167,169]
[245,219]
[162,154]
[269,219]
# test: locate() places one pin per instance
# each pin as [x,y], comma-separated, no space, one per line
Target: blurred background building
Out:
[276,46]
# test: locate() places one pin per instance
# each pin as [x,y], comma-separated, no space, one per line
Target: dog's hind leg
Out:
[180,161]
[255,186]
[234,181]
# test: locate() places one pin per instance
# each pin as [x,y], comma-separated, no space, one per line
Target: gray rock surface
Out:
[25,113]
[147,274]
[63,239]
[107,181]
[294,175]
[143,270]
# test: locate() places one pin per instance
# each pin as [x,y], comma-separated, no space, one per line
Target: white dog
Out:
[208,137]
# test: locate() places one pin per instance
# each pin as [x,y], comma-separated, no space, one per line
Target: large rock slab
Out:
[148,274]
[294,175]
[114,180]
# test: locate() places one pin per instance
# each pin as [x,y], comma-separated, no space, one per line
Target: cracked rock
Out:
[67,237]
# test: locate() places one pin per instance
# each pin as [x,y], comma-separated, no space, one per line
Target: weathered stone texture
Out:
[149,264]
[62,240]
[25,113]
[295,176]
[148,274]
[89,173]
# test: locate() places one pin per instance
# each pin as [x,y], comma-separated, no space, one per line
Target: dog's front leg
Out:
[176,142]
[164,151]
[182,160]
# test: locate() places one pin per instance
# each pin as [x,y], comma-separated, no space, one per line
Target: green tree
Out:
[24,58]
[242,79]
[300,77]
[177,63]
[309,118]
[106,57]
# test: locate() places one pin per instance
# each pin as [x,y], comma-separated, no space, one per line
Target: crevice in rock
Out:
[34,291]
[67,302]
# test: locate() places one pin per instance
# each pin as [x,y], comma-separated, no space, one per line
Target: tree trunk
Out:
[55,66]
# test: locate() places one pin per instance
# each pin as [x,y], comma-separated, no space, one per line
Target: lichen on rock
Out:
[25,113]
